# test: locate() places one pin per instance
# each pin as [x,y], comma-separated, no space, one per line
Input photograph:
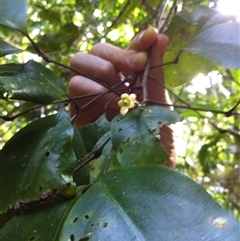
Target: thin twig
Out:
[160,26]
[49,60]
[225,113]
[107,162]
[11,118]
[195,109]
[145,78]
[119,90]
[117,18]
[147,67]
[93,155]
[161,11]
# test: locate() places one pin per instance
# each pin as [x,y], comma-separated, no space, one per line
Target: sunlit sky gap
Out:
[230,7]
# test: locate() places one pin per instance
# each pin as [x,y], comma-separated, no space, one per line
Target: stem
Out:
[49,60]
[226,113]
[145,78]
[160,26]
[93,155]
[147,67]
[152,102]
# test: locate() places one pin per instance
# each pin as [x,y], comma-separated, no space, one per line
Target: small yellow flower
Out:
[127,102]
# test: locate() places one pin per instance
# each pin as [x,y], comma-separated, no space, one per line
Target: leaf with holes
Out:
[31,82]
[41,222]
[40,161]
[135,136]
[92,132]
[147,202]
[107,161]
[144,202]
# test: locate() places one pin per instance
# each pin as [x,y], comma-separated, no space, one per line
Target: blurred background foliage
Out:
[208,145]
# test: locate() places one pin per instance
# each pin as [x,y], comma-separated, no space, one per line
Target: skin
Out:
[109,64]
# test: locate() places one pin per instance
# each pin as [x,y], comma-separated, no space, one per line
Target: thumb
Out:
[155,90]
[157,53]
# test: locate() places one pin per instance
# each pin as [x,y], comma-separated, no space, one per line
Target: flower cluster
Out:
[127,102]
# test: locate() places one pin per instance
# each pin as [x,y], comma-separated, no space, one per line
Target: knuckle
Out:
[75,59]
[96,49]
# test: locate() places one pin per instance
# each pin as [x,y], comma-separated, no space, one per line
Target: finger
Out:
[158,50]
[144,40]
[81,86]
[158,93]
[168,143]
[122,59]
[133,58]
[155,90]
[95,68]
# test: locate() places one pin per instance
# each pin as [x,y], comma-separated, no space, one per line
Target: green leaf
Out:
[184,27]
[217,18]
[14,14]
[106,162]
[31,82]
[204,153]
[82,176]
[135,136]
[92,132]
[220,44]
[39,223]
[6,48]
[197,16]
[192,113]
[235,74]
[39,161]
[148,202]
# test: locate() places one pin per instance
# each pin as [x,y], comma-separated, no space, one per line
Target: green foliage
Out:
[121,210]
[31,82]
[134,137]
[126,210]
[183,28]
[14,15]
[211,40]
[46,167]
[6,49]
[45,161]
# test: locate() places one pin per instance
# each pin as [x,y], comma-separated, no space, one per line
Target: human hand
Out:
[109,64]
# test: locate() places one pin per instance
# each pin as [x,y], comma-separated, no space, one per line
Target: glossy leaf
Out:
[31,82]
[135,136]
[82,176]
[92,132]
[39,223]
[14,14]
[39,124]
[6,48]
[220,44]
[217,18]
[107,161]
[40,161]
[184,27]
[148,202]
[93,135]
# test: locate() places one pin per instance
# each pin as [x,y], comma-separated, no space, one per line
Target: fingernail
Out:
[141,34]
[156,30]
